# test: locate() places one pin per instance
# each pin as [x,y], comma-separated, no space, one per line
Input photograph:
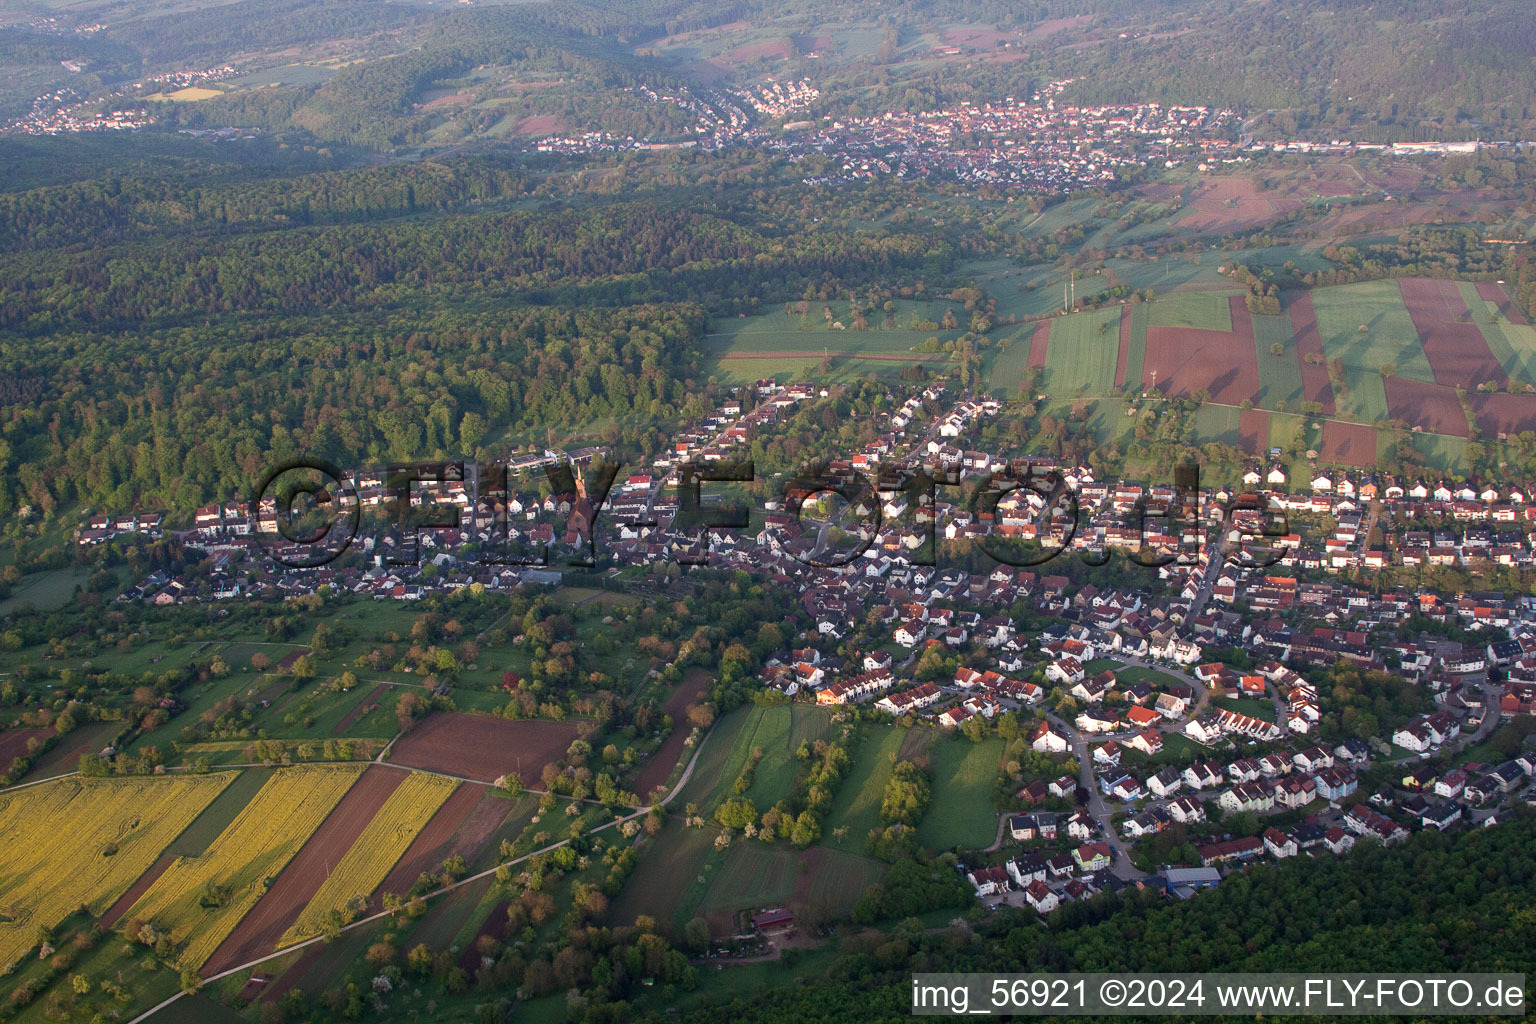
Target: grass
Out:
[1513,345]
[1285,428]
[1441,452]
[779,331]
[1007,367]
[753,874]
[721,984]
[1253,707]
[1083,351]
[46,591]
[856,805]
[842,370]
[1218,423]
[669,864]
[1279,376]
[1153,678]
[808,723]
[1390,336]
[839,879]
[961,811]
[1136,351]
[1204,311]
[775,773]
[718,748]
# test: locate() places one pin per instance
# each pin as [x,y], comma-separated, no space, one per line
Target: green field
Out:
[1279,376]
[1204,311]
[754,874]
[1513,345]
[1389,337]
[856,805]
[842,370]
[1082,354]
[1151,676]
[961,812]
[839,879]
[1442,452]
[669,864]
[1136,351]
[1008,360]
[719,747]
[46,591]
[1164,274]
[1253,707]
[1217,423]
[778,331]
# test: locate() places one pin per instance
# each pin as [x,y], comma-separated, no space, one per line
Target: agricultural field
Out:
[1389,338]
[200,900]
[1280,381]
[961,811]
[752,874]
[1512,342]
[671,862]
[781,333]
[375,851]
[1083,353]
[46,591]
[767,730]
[1008,360]
[662,763]
[1421,340]
[484,748]
[749,367]
[1199,311]
[85,841]
[217,816]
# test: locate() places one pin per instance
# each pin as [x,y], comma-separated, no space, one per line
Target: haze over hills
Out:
[684,510]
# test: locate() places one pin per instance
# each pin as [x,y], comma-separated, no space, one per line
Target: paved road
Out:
[1101,811]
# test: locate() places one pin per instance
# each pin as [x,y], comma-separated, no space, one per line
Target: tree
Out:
[696,934]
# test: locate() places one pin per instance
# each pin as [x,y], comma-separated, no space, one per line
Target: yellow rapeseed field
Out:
[200,900]
[382,843]
[86,841]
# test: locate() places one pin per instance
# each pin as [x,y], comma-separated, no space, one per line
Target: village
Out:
[1150,732]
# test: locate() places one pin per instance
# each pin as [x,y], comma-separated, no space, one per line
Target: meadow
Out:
[961,811]
[856,805]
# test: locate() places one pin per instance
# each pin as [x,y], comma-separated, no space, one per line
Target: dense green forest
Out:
[1438,903]
[217,326]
